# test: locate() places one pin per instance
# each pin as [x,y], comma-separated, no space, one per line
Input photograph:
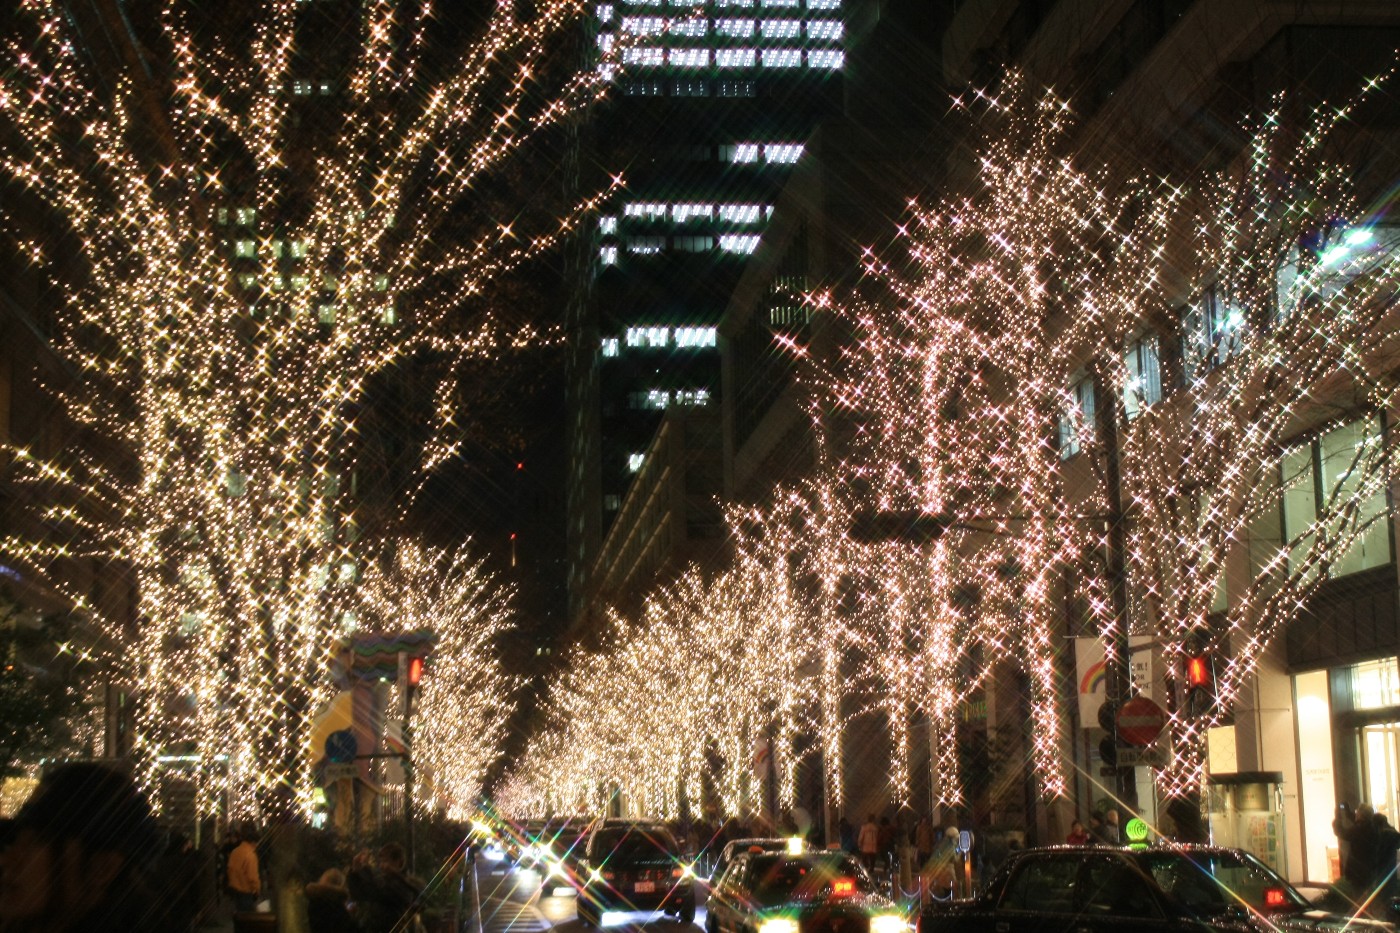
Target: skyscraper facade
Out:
[714,102]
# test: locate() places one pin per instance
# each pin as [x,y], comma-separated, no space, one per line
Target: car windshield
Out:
[780,879]
[1214,882]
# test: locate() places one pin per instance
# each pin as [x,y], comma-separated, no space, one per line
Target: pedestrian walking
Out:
[244,878]
[923,838]
[79,856]
[847,834]
[868,841]
[1078,835]
[940,871]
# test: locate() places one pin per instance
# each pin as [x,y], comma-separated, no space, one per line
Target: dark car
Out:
[634,866]
[1155,890]
[815,892]
[736,847]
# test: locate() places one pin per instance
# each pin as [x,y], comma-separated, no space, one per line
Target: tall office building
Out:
[714,102]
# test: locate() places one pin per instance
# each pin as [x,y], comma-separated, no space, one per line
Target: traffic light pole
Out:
[1118,669]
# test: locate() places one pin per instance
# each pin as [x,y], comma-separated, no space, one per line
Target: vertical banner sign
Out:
[1091,674]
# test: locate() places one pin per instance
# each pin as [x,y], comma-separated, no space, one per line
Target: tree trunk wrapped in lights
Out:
[252,247]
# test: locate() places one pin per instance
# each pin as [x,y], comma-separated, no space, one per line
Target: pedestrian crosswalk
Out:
[506,907]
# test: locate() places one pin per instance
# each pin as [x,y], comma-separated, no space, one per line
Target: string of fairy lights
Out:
[957,397]
[236,263]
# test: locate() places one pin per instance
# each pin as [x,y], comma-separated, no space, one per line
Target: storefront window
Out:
[1375,684]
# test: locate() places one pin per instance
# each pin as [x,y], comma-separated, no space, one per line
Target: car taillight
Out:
[843,887]
[1274,897]
[608,876]
[677,872]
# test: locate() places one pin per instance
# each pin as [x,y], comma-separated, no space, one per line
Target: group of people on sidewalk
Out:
[86,853]
[1367,845]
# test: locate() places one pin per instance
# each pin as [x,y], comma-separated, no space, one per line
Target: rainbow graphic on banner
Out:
[1093,679]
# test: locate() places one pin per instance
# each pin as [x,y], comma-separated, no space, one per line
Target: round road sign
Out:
[1140,721]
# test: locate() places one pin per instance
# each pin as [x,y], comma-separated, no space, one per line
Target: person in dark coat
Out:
[327,909]
[384,896]
[1361,863]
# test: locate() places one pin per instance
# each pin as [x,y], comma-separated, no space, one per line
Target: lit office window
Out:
[742,243]
[381,283]
[654,58]
[652,338]
[605,12]
[826,58]
[690,89]
[644,89]
[692,398]
[326,88]
[692,28]
[689,58]
[1143,387]
[782,28]
[656,399]
[782,58]
[734,28]
[607,224]
[245,249]
[826,29]
[646,245]
[247,281]
[734,3]
[647,210]
[612,503]
[643,25]
[1077,425]
[296,249]
[244,216]
[277,283]
[680,213]
[300,282]
[608,255]
[740,213]
[695,337]
[823,4]
[740,152]
[605,42]
[326,314]
[611,346]
[781,4]
[634,462]
[302,88]
[736,89]
[782,153]
[735,58]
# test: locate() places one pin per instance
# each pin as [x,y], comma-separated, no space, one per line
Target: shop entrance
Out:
[1380,766]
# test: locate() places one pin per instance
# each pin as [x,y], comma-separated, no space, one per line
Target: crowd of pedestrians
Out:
[86,853]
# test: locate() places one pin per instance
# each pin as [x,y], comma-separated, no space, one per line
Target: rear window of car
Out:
[1213,882]
[633,843]
[778,879]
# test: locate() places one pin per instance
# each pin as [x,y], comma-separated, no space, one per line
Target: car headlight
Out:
[556,869]
[889,923]
[778,925]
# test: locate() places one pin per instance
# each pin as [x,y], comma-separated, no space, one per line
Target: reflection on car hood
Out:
[1327,920]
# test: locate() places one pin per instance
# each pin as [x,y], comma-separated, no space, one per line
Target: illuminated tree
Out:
[241,247]
[464,699]
[1290,324]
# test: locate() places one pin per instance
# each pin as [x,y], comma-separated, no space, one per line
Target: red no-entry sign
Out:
[1140,721]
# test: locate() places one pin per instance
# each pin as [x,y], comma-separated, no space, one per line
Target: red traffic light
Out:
[1198,671]
[415,671]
